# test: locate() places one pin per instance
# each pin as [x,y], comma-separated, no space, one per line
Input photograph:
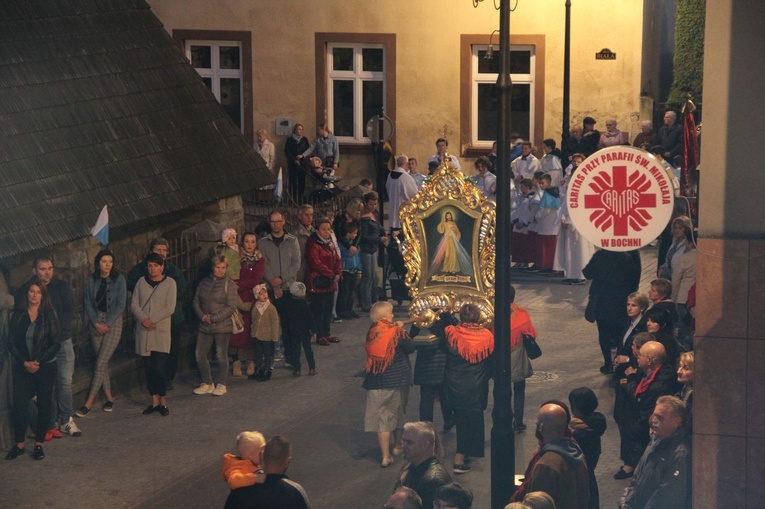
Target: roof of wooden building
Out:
[98,106]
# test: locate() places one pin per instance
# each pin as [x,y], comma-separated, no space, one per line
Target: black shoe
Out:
[354,314]
[256,376]
[150,409]
[108,406]
[607,369]
[163,410]
[39,453]
[519,428]
[623,474]
[82,411]
[461,469]
[265,377]
[448,425]
[14,453]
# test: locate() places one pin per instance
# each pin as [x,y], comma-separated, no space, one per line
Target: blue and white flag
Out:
[278,187]
[101,229]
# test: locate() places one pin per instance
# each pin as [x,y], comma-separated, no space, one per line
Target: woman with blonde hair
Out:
[685,377]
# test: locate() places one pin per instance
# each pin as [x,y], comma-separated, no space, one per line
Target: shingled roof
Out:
[98,106]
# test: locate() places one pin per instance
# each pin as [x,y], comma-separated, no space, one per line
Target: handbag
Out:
[322,282]
[533,351]
[237,322]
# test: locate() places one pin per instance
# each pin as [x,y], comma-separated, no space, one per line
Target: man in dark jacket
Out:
[671,136]
[278,491]
[654,379]
[424,473]
[662,478]
[161,246]
[561,471]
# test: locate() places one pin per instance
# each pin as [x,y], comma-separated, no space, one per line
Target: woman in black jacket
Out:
[468,348]
[429,369]
[33,343]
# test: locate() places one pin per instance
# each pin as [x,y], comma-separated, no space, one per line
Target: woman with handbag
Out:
[253,266]
[33,341]
[153,305]
[214,304]
[321,277]
[105,300]
[521,328]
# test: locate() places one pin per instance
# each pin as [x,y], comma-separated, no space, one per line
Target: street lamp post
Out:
[502,435]
[566,80]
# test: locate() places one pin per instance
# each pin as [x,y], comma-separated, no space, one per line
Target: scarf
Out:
[473,342]
[520,324]
[250,259]
[260,305]
[645,382]
[382,340]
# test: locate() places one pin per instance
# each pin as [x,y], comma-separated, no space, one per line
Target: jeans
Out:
[25,386]
[368,267]
[264,354]
[61,404]
[292,347]
[205,340]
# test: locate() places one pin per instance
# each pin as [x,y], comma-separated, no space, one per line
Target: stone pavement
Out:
[125,459]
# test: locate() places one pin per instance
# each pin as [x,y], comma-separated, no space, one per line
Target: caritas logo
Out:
[620,198]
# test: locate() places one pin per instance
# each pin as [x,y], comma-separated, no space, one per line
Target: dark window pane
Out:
[488,108]
[201,57]
[520,63]
[373,59]
[231,98]
[207,82]
[229,57]
[342,59]
[520,103]
[373,99]
[488,66]
[342,97]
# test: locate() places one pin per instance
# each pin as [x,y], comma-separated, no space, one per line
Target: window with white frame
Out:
[219,63]
[485,100]
[355,88]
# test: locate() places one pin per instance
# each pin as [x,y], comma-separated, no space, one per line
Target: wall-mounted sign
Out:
[605,54]
[283,126]
[620,198]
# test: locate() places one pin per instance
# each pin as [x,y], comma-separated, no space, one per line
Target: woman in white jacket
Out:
[152,306]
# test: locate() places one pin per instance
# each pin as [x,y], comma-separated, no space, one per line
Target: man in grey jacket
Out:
[282,253]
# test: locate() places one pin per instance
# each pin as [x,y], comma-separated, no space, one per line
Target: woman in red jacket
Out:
[321,277]
[253,267]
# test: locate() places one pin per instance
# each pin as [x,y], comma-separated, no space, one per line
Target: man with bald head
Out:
[561,470]
[401,187]
[654,378]
[404,498]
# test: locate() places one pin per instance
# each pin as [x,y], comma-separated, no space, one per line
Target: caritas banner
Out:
[620,198]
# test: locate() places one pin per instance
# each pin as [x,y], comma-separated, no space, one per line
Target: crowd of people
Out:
[316,272]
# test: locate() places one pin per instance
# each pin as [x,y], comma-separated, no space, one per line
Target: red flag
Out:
[690,146]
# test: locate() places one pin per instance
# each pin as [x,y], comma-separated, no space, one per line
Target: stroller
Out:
[395,271]
[322,180]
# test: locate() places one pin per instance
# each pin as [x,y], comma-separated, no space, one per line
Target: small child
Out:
[243,469]
[588,426]
[520,234]
[548,224]
[298,330]
[264,331]
[351,274]
[230,249]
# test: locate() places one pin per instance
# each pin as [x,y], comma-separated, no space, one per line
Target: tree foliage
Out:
[689,50]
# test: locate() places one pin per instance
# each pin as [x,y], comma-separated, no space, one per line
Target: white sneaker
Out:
[70,428]
[220,390]
[204,389]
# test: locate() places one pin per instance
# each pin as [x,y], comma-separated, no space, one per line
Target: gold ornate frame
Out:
[448,190]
